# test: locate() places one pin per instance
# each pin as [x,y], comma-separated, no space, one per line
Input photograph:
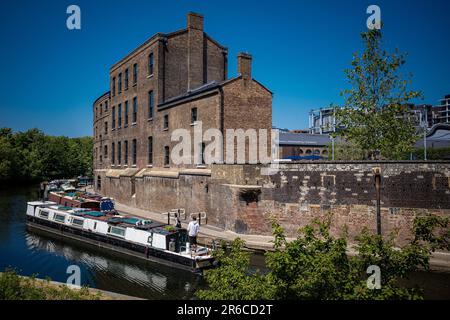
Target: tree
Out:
[316,265]
[33,156]
[375,115]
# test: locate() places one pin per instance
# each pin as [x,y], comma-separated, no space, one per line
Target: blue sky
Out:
[51,76]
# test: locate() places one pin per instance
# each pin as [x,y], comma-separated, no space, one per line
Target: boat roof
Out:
[41,203]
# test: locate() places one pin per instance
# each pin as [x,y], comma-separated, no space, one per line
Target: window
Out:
[106,127]
[106,106]
[43,214]
[106,151]
[125,159]
[126,113]
[96,113]
[166,121]
[135,73]
[119,153]
[119,84]
[113,124]
[193,115]
[134,152]
[166,156]
[101,108]
[202,155]
[150,104]
[150,64]
[119,111]
[113,153]
[78,222]
[150,150]
[126,79]
[114,86]
[135,109]
[59,218]
[120,232]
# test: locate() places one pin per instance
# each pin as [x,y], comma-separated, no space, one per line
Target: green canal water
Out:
[31,253]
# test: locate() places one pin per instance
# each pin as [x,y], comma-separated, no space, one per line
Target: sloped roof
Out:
[303,139]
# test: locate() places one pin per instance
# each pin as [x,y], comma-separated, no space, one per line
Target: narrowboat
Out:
[81,199]
[146,239]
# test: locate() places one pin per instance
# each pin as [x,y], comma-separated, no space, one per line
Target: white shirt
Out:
[193,228]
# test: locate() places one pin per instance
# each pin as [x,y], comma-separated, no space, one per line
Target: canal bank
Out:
[440,261]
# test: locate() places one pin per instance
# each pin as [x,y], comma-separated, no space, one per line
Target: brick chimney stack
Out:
[195,21]
[196,68]
[245,65]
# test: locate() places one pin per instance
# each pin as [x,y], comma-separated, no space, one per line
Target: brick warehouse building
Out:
[173,80]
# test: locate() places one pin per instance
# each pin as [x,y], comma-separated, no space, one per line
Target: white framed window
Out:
[77,222]
[59,217]
[117,231]
[43,214]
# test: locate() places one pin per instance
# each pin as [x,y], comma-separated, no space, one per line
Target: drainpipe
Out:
[377,176]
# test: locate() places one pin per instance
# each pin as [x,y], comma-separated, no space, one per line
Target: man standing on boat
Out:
[193,229]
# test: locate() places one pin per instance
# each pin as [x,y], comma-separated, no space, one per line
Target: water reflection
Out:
[34,252]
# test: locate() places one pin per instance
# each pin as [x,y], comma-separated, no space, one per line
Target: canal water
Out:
[35,254]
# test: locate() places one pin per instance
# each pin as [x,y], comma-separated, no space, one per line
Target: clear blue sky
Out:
[51,76]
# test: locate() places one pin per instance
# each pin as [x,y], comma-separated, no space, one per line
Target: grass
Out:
[16,287]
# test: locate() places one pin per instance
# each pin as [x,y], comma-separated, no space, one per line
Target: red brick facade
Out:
[172,74]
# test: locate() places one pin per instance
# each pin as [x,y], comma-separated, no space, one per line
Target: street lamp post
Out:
[377,176]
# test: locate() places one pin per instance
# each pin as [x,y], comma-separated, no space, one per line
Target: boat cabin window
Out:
[59,217]
[95,225]
[117,231]
[78,222]
[43,214]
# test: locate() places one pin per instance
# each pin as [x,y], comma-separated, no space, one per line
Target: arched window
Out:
[308,151]
[300,151]
[325,152]
[316,152]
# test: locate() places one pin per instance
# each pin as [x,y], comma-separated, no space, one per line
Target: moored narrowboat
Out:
[146,239]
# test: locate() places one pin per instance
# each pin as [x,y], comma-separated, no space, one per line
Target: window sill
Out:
[125,126]
[201,166]
[150,119]
[150,76]
[134,84]
[166,166]
[134,123]
[166,129]
[149,166]
[133,166]
[194,123]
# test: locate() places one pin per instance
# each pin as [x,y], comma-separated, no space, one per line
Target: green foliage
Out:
[317,265]
[432,154]
[15,287]
[344,150]
[375,115]
[33,156]
[232,280]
